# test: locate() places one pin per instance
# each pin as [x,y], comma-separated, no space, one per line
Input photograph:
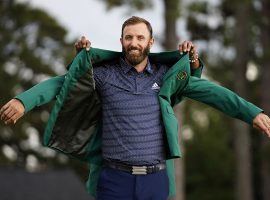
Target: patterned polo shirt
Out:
[132,128]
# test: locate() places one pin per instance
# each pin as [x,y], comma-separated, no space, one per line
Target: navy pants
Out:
[114,184]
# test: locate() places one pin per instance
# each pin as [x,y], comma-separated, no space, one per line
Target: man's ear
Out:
[151,42]
[121,40]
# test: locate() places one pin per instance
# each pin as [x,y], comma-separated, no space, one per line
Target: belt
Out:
[136,170]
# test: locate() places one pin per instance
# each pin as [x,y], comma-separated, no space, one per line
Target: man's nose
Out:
[134,43]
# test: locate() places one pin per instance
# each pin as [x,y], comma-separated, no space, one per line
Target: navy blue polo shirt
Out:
[132,129]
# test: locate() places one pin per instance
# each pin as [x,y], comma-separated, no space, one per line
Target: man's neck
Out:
[141,66]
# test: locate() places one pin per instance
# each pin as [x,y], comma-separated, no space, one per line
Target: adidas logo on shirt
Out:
[155,86]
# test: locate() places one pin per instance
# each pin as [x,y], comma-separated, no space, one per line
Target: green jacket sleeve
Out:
[41,93]
[193,72]
[220,98]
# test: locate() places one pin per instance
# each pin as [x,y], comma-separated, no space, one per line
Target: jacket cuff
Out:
[198,71]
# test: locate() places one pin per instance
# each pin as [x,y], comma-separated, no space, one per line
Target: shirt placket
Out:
[139,82]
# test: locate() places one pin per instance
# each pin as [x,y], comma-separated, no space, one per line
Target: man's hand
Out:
[262,123]
[12,111]
[188,46]
[82,43]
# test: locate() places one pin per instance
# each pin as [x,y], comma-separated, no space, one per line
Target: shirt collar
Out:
[127,67]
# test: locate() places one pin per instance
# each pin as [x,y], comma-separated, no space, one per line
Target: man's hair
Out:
[136,20]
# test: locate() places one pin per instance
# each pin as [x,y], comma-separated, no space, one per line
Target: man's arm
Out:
[40,94]
[227,102]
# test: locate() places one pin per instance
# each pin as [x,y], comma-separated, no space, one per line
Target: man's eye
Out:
[140,38]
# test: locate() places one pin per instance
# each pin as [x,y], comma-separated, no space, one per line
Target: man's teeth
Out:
[134,51]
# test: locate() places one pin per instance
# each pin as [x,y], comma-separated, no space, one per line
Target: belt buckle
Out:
[139,170]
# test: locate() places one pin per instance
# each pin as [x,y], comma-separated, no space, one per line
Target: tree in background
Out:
[239,43]
[263,12]
[32,48]
[242,143]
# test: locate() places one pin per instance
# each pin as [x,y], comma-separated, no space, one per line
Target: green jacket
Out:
[74,126]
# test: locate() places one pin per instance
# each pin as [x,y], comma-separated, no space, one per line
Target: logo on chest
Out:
[155,86]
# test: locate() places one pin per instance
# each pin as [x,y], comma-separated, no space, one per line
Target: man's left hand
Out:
[262,123]
[188,46]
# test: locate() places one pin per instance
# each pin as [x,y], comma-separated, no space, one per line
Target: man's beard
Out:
[135,59]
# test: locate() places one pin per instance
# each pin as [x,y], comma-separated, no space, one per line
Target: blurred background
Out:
[224,159]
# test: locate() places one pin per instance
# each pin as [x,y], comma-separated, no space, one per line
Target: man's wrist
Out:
[196,64]
[194,60]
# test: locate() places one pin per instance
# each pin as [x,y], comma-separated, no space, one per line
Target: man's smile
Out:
[134,51]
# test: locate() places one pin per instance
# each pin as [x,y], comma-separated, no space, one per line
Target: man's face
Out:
[136,43]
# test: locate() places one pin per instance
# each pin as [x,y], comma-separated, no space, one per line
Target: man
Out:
[124,110]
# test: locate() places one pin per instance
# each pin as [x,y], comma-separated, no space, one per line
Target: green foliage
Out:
[201,7]
[132,4]
[32,47]
[200,159]
[209,155]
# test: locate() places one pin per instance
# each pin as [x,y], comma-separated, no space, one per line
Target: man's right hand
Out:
[82,43]
[12,111]
[262,123]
